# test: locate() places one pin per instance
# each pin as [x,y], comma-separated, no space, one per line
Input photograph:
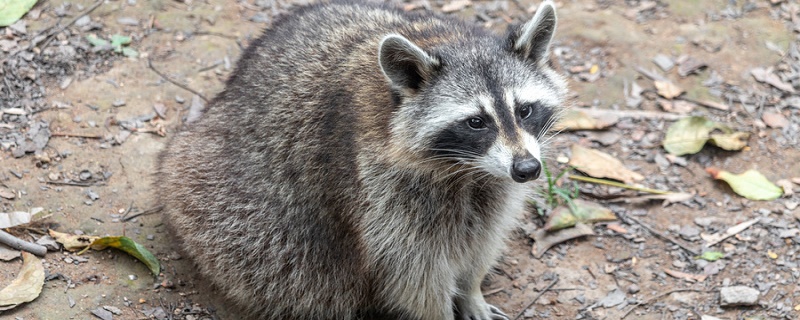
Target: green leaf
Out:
[132,248]
[13,10]
[688,135]
[751,184]
[711,255]
[119,40]
[97,42]
[128,52]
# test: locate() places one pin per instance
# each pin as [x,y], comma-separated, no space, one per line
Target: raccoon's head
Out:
[476,100]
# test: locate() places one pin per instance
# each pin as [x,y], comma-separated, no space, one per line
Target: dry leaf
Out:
[730,141]
[616,227]
[456,5]
[686,276]
[667,89]
[27,286]
[579,120]
[72,242]
[768,77]
[545,240]
[579,211]
[775,120]
[676,106]
[601,165]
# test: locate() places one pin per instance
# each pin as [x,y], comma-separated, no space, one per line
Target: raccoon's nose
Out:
[526,169]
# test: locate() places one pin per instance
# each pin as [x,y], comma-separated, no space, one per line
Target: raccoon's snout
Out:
[525,169]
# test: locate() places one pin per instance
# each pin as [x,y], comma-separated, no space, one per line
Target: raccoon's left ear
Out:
[532,40]
[405,64]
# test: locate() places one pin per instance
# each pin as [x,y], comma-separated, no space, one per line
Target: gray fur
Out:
[311,188]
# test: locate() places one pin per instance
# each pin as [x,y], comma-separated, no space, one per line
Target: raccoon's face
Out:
[482,103]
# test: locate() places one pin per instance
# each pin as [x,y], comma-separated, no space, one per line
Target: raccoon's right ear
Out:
[405,64]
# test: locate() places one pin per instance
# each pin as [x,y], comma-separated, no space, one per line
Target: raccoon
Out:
[364,162]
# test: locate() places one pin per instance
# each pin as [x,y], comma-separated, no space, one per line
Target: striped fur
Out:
[336,176]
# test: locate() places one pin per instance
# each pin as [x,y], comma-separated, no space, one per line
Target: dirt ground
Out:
[106,114]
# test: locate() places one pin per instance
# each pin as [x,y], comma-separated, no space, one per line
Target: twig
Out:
[616,184]
[73,184]
[627,219]
[651,300]
[717,238]
[633,114]
[150,65]
[75,135]
[144,213]
[71,22]
[537,298]
[20,244]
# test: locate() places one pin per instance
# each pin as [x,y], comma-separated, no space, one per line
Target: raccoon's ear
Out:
[532,40]
[405,64]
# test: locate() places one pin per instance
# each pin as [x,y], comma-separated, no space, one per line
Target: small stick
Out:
[651,300]
[627,219]
[75,135]
[617,184]
[632,114]
[71,22]
[144,213]
[73,184]
[150,65]
[20,244]
[537,298]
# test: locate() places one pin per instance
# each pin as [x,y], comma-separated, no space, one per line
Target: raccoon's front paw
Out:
[480,311]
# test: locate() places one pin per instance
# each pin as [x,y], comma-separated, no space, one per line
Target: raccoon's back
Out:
[263,190]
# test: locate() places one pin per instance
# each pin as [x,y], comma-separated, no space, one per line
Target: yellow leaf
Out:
[72,242]
[594,69]
[27,286]
[601,165]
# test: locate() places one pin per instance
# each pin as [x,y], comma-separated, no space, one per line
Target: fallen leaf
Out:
[690,134]
[545,240]
[768,77]
[26,286]
[786,185]
[8,254]
[686,276]
[72,242]
[711,255]
[616,227]
[730,141]
[667,198]
[751,184]
[579,120]
[13,10]
[8,220]
[601,165]
[775,120]
[676,106]
[667,89]
[579,211]
[130,247]
[456,5]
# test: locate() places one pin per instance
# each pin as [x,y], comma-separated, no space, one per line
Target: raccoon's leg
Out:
[470,303]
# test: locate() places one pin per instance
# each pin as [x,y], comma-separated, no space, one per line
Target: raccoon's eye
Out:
[476,123]
[525,111]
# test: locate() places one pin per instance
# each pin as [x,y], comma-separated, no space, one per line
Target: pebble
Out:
[113,310]
[738,296]
[634,288]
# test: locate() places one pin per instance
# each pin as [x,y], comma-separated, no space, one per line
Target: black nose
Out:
[525,169]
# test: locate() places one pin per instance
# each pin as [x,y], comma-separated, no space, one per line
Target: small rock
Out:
[118,103]
[71,301]
[92,195]
[150,237]
[707,317]
[132,277]
[83,21]
[664,62]
[103,314]
[689,232]
[738,296]
[113,310]
[633,289]
[775,120]
[48,242]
